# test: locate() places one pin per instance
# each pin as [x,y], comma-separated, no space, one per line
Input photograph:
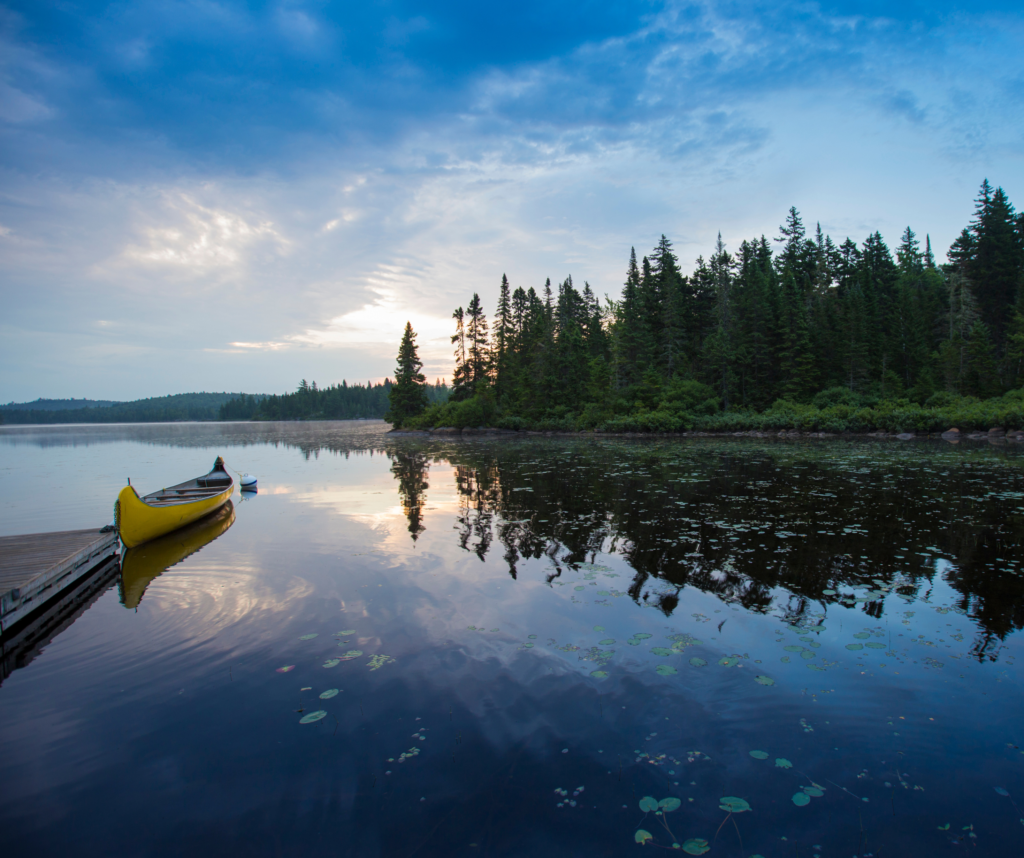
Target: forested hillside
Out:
[58,404]
[158,409]
[820,334]
[337,402]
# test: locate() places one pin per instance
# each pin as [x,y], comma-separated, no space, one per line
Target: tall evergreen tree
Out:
[503,341]
[408,395]
[478,356]
[462,387]
[628,329]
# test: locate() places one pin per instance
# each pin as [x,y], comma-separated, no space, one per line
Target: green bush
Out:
[836,396]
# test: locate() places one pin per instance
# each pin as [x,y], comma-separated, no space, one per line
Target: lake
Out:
[562,646]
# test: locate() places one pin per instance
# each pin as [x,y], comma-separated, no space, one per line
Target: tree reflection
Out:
[749,525]
[410,469]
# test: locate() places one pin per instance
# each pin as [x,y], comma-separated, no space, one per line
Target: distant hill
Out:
[58,404]
[158,409]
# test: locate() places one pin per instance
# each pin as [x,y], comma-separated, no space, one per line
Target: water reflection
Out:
[140,565]
[768,527]
[560,627]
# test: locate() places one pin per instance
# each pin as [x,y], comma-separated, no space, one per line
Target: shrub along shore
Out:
[833,411]
[996,435]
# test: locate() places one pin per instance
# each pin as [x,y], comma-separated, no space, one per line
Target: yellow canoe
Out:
[142,564]
[140,519]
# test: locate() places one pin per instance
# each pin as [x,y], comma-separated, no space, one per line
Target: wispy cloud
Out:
[284,185]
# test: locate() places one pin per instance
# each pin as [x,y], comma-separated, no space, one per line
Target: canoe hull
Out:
[139,566]
[138,522]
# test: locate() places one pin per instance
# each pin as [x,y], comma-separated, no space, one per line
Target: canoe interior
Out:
[207,486]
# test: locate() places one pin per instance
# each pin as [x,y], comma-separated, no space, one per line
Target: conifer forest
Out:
[796,331]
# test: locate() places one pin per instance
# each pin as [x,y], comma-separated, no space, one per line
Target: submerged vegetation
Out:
[798,333]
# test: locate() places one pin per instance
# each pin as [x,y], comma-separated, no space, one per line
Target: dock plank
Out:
[35,567]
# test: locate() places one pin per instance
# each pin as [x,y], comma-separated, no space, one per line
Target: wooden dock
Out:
[39,567]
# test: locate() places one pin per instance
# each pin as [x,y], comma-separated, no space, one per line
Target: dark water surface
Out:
[807,648]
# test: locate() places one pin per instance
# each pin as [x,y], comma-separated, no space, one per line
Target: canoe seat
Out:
[214,479]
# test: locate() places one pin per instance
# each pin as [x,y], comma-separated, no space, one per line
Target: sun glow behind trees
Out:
[797,319]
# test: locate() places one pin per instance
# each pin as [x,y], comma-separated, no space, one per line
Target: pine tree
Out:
[628,329]
[408,395]
[995,265]
[503,341]
[665,310]
[478,353]
[461,377]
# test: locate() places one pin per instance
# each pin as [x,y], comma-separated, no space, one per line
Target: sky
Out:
[200,195]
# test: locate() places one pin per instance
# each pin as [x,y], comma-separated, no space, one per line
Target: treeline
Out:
[337,402]
[158,409]
[58,404]
[794,324]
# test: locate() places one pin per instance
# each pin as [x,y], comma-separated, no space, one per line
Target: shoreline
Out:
[951,436]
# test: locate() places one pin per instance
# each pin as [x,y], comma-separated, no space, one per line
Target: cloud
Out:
[283,185]
[199,240]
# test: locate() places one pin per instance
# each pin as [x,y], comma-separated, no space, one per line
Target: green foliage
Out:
[159,409]
[812,336]
[407,397]
[478,411]
[338,402]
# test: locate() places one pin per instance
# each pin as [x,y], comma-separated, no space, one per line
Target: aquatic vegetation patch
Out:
[376,662]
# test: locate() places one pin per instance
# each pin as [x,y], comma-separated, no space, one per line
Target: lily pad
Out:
[783,763]
[875,645]
[600,674]
[606,642]
[313,716]
[532,637]
[662,651]
[648,803]
[698,662]
[286,668]
[598,628]
[329,693]
[642,836]
[376,662]
[801,798]
[828,592]
[733,804]
[347,632]
[813,792]
[862,636]
[728,661]
[641,636]
[807,654]
[696,846]
[309,637]
[669,804]
[764,680]
[351,654]
[577,588]
[665,670]
[793,648]
[759,755]
[332,662]
[855,646]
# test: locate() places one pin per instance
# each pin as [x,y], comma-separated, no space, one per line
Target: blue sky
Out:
[223,195]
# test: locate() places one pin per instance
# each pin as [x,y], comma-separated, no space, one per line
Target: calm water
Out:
[515,642]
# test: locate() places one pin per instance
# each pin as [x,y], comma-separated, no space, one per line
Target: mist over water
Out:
[544,646]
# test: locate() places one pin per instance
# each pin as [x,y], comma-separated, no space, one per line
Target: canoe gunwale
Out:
[141,519]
